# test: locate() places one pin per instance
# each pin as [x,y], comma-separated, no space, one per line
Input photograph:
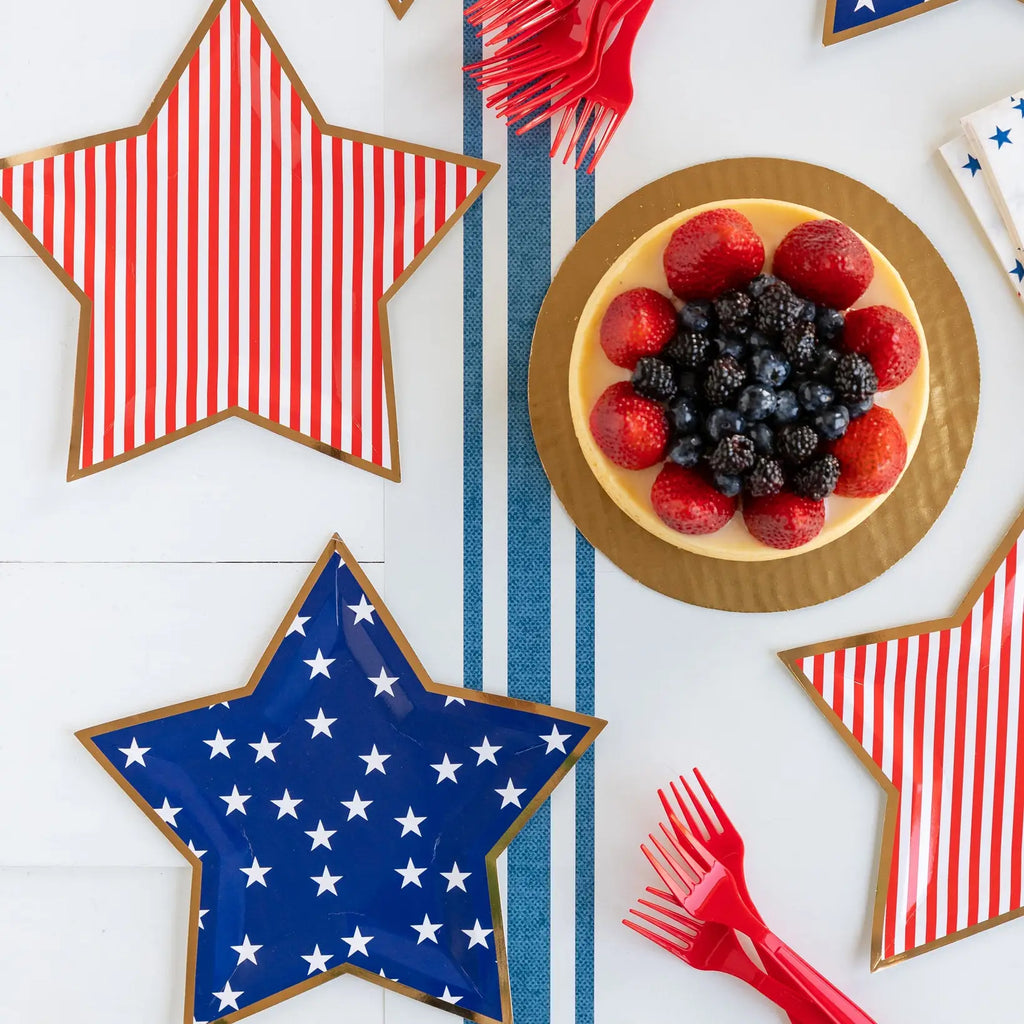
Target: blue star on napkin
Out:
[342,812]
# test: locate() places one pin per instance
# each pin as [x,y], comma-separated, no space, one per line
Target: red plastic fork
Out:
[507,17]
[703,887]
[713,947]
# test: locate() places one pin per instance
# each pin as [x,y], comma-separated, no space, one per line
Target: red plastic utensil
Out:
[713,947]
[507,17]
[705,889]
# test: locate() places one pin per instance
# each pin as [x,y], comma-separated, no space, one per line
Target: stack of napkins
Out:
[987,161]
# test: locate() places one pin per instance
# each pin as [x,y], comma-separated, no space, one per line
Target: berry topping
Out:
[830,424]
[813,396]
[689,383]
[725,377]
[787,408]
[653,378]
[732,347]
[797,444]
[818,479]
[776,308]
[723,422]
[684,500]
[683,415]
[713,252]
[763,437]
[757,287]
[826,262]
[728,485]
[687,450]
[871,455]
[637,323]
[733,456]
[733,309]
[800,346]
[690,351]
[766,478]
[784,521]
[888,339]
[855,378]
[696,316]
[756,403]
[826,360]
[632,431]
[857,409]
[767,366]
[829,324]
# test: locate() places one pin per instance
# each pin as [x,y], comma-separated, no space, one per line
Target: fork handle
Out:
[839,1008]
[799,1009]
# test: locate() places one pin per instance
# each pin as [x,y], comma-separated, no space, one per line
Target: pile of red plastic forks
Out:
[709,903]
[568,57]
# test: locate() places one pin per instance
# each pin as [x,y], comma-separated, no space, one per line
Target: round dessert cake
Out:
[749,380]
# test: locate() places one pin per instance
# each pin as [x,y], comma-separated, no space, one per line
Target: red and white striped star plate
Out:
[936,711]
[234,255]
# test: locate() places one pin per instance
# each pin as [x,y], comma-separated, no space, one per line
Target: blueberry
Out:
[763,438]
[769,367]
[757,287]
[787,408]
[808,313]
[689,384]
[830,324]
[730,486]
[857,409]
[825,363]
[814,396]
[683,416]
[686,452]
[723,422]
[758,340]
[731,347]
[830,424]
[695,317]
[756,402]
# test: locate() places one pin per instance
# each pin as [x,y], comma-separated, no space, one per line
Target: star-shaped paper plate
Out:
[400,7]
[845,19]
[936,713]
[343,813]
[234,255]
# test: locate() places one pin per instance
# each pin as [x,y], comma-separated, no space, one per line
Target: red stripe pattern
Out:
[235,257]
[942,716]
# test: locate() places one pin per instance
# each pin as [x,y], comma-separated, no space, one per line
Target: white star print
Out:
[286,805]
[510,795]
[219,745]
[357,943]
[384,683]
[222,704]
[265,749]
[555,740]
[454,700]
[246,951]
[478,935]
[410,823]
[135,754]
[357,807]
[321,725]
[385,977]
[485,752]
[427,931]
[255,874]
[456,878]
[228,997]
[326,882]
[411,874]
[375,761]
[317,961]
[198,853]
[319,665]
[168,813]
[202,914]
[235,801]
[449,998]
[364,611]
[321,836]
[298,625]
[861,4]
[446,770]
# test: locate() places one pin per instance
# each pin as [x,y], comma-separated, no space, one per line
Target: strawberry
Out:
[684,500]
[824,261]
[640,322]
[784,521]
[887,339]
[871,455]
[632,431]
[713,252]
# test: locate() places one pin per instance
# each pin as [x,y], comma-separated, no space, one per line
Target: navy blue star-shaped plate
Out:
[343,813]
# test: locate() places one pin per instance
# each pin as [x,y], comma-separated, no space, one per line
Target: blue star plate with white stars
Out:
[342,812]
[847,18]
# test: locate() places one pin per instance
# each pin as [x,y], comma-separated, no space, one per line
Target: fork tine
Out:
[674,821]
[696,867]
[658,940]
[679,887]
[710,827]
[581,123]
[689,922]
[595,127]
[692,819]
[660,893]
[563,129]
[676,933]
[723,818]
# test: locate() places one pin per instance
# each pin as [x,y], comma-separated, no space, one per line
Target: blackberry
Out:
[696,317]
[654,379]
[757,287]
[857,409]
[683,415]
[687,450]
[690,351]
[733,308]
[724,379]
[814,396]
[766,478]
[767,366]
[723,422]
[830,324]
[756,402]
[728,485]
[800,346]
[831,424]
[734,455]
[763,437]
[787,408]
[776,309]
[855,378]
[818,479]
[797,444]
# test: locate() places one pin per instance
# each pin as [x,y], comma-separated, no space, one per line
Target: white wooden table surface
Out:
[164,578]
